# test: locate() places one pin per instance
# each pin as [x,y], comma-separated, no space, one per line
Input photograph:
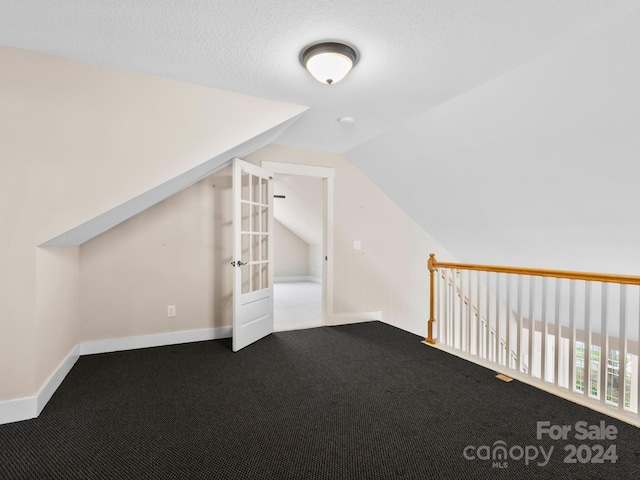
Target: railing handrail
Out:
[434,264]
[539,272]
[580,342]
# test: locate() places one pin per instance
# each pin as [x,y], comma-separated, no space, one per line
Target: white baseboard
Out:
[348,318]
[297,279]
[155,340]
[57,377]
[25,408]
[30,407]
[18,409]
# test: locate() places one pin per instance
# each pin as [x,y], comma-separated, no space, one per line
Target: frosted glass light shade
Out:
[329,67]
[328,62]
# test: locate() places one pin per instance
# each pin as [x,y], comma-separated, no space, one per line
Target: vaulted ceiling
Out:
[301,208]
[495,124]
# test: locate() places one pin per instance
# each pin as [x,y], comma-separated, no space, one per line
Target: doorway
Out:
[303,232]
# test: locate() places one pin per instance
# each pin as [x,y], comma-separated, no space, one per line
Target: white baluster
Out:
[543,354]
[558,337]
[496,338]
[478,318]
[487,321]
[604,344]
[589,339]
[532,325]
[622,331]
[572,335]
[519,334]
[507,336]
[469,312]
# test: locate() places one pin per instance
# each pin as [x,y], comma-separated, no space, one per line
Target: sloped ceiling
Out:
[109,219]
[503,127]
[537,168]
[301,209]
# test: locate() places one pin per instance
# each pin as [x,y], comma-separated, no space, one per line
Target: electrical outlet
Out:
[171,311]
[357,245]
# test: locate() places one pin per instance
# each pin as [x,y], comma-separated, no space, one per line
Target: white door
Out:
[252,253]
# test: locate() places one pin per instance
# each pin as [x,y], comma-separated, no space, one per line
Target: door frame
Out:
[327,174]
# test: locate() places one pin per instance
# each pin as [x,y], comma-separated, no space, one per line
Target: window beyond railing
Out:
[573,331]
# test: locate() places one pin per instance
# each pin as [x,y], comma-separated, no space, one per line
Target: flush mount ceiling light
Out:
[346,120]
[329,62]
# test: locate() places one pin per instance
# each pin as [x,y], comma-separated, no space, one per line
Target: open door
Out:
[252,253]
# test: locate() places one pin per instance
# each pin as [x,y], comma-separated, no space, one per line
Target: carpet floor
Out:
[365,401]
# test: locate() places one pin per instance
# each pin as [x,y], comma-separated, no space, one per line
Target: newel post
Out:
[432,271]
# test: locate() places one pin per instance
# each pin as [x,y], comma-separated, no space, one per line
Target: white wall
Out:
[301,209]
[290,253]
[301,213]
[314,264]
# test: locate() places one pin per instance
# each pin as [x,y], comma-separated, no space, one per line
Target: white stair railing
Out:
[573,333]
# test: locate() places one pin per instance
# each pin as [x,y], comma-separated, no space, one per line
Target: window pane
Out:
[265,191]
[265,275]
[255,187]
[255,248]
[264,216]
[255,281]
[245,186]
[244,217]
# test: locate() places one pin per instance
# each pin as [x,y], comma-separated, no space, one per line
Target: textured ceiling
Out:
[414,54]
[506,128]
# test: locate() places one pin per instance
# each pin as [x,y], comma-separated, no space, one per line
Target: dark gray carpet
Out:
[361,401]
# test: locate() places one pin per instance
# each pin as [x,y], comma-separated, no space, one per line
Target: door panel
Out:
[253,253]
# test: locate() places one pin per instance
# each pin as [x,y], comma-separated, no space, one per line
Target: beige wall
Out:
[163,256]
[389,273]
[77,140]
[178,253]
[57,307]
[290,253]
[223,247]
[175,253]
